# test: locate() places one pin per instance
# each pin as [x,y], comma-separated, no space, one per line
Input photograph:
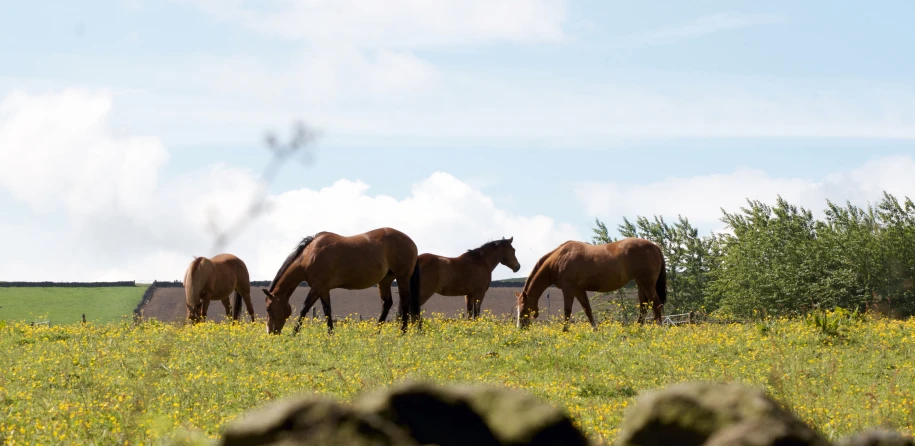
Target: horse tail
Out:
[414,291]
[192,288]
[661,284]
[236,306]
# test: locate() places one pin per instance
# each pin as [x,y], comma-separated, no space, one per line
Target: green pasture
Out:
[61,305]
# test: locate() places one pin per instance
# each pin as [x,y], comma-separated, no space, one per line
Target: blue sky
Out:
[125,126]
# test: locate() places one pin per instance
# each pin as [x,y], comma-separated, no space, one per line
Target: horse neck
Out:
[537,283]
[288,282]
[491,258]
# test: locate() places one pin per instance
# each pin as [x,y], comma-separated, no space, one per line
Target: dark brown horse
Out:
[216,279]
[468,275]
[576,268]
[328,261]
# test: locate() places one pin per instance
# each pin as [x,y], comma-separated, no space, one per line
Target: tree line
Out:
[779,260]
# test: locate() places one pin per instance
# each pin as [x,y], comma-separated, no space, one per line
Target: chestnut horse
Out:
[468,275]
[215,279]
[576,268]
[328,261]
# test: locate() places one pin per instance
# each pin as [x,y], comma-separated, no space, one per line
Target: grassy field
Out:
[67,305]
[116,382]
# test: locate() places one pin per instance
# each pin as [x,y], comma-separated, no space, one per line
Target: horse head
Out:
[278,310]
[508,255]
[527,309]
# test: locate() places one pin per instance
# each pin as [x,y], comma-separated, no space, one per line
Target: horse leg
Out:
[403,288]
[656,304]
[387,299]
[476,302]
[568,297]
[309,302]
[325,303]
[191,313]
[246,296]
[243,290]
[204,308]
[643,304]
[648,295]
[468,300]
[228,306]
[586,305]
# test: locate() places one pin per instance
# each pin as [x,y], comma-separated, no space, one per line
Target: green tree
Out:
[780,260]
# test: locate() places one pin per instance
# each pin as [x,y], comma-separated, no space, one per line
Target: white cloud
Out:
[322,75]
[529,110]
[442,214]
[122,221]
[705,25]
[701,198]
[399,23]
[538,112]
[57,149]
[359,48]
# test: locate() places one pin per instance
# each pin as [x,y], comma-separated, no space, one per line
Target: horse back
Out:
[197,278]
[634,258]
[352,261]
[229,274]
[452,276]
[605,267]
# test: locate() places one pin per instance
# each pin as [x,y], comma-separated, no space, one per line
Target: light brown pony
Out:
[216,279]
[327,261]
[468,275]
[576,268]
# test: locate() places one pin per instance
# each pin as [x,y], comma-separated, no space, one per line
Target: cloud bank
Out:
[120,220]
[701,198]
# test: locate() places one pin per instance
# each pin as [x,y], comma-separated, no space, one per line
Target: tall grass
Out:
[119,383]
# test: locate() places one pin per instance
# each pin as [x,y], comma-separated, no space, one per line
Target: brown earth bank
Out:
[167,304]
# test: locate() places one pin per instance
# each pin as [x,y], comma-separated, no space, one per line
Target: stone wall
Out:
[692,414]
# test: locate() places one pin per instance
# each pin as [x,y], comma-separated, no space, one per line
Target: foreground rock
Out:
[473,415]
[694,414]
[877,437]
[410,414]
[709,414]
[311,420]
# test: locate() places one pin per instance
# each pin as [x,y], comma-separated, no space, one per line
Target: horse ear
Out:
[267,293]
[517,294]
[510,239]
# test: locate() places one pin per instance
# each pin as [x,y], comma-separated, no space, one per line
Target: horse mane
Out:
[531,277]
[196,263]
[193,287]
[294,255]
[489,244]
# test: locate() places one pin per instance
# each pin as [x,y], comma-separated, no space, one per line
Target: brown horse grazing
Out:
[576,268]
[468,275]
[215,279]
[327,261]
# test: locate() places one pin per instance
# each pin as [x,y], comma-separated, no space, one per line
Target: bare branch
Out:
[300,143]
